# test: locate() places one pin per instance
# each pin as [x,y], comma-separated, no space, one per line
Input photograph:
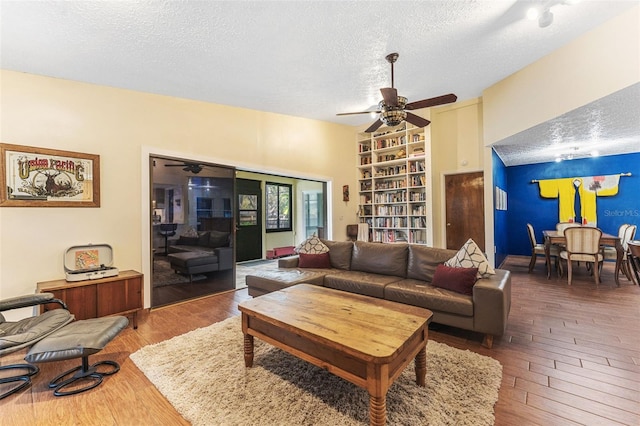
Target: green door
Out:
[248,220]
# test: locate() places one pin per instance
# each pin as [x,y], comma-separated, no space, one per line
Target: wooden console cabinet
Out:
[119,295]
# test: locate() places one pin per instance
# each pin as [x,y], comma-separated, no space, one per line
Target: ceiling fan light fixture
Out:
[402,102]
[393,117]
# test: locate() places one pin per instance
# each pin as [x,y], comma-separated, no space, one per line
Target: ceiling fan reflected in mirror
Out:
[194,168]
[393,108]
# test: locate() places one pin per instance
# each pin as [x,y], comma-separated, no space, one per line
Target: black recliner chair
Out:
[55,336]
[25,333]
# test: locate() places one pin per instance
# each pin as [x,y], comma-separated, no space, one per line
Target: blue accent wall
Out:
[527,206]
[500,223]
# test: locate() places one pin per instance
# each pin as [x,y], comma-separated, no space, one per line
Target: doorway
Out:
[249,221]
[464,200]
[192,212]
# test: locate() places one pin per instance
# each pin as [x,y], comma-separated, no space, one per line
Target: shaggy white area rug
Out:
[202,374]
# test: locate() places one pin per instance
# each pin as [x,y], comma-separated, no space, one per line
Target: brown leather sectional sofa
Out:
[402,273]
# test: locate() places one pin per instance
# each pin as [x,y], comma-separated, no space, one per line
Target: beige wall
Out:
[124,127]
[456,147]
[597,64]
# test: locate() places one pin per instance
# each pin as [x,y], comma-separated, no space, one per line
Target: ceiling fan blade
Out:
[390,96]
[374,126]
[360,112]
[438,100]
[416,120]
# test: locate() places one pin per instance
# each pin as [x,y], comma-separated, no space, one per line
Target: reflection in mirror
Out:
[196,257]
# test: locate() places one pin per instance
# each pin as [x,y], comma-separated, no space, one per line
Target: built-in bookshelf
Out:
[394,191]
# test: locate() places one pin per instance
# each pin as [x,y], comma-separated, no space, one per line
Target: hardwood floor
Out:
[571,355]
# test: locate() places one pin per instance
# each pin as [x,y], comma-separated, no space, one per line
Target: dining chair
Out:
[583,244]
[560,227]
[626,233]
[538,248]
[633,257]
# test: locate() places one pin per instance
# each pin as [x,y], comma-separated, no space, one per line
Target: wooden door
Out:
[248,220]
[464,209]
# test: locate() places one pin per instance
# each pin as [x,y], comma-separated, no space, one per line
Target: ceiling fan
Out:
[194,168]
[392,108]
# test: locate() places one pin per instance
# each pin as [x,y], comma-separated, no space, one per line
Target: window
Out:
[278,207]
[312,212]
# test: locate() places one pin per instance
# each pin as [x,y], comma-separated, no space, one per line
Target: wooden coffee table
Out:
[364,340]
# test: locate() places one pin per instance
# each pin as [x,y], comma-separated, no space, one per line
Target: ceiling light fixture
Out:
[393,117]
[546,18]
[543,13]
[574,153]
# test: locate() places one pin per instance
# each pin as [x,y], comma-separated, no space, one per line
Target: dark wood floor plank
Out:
[569,413]
[522,414]
[597,395]
[622,382]
[577,402]
[613,371]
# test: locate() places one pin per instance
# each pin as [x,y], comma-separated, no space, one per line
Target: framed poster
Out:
[39,177]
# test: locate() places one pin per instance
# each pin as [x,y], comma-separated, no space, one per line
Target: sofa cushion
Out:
[203,238]
[380,258]
[314,260]
[218,239]
[423,261]
[369,284]
[266,281]
[419,293]
[187,241]
[189,231]
[470,256]
[460,280]
[312,245]
[339,253]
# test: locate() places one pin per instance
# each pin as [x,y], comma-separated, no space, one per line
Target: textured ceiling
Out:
[304,58]
[608,126]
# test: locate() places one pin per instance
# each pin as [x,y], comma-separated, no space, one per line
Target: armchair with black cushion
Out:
[24,333]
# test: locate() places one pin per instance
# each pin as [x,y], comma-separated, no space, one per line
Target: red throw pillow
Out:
[460,280]
[321,260]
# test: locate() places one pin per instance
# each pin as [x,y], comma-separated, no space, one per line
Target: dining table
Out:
[556,237]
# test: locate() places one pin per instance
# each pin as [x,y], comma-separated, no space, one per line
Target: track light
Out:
[543,13]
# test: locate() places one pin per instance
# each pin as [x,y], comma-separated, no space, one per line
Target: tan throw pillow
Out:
[470,256]
[189,231]
[312,245]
